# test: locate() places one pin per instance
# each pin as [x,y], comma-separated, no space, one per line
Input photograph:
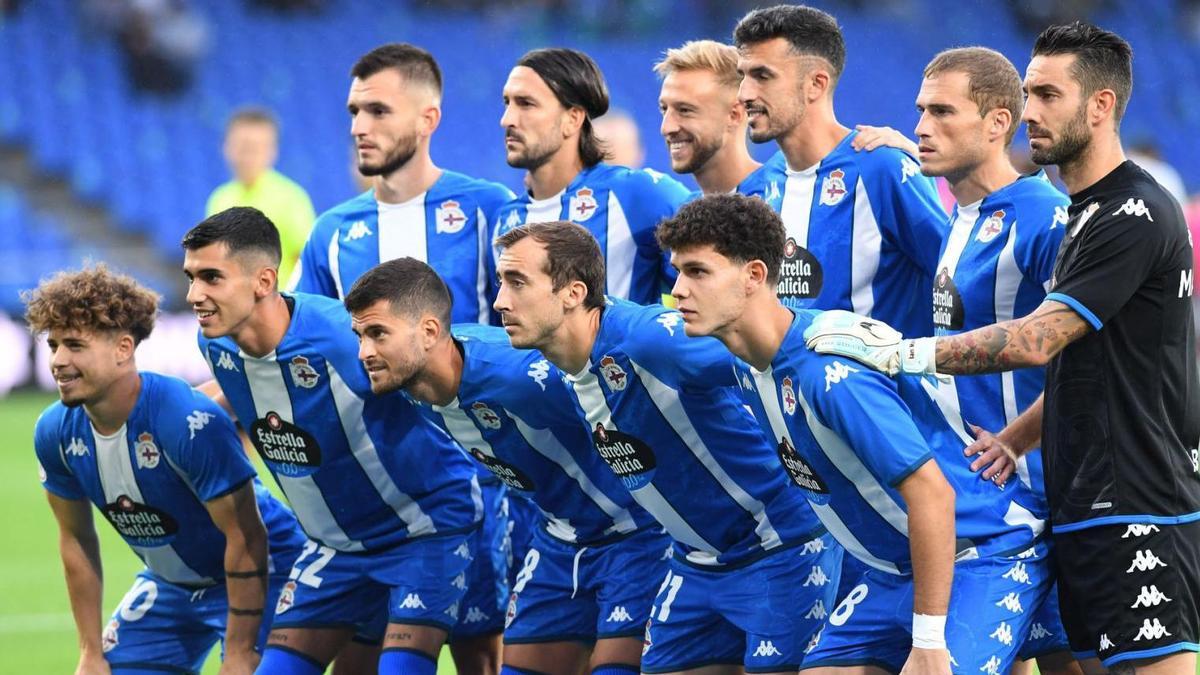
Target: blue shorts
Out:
[412,583]
[585,593]
[486,580]
[992,601]
[524,518]
[761,615]
[1047,635]
[162,626]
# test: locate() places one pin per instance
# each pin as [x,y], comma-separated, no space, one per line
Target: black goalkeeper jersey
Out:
[1122,403]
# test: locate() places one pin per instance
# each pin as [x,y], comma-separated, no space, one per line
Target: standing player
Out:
[550,100]
[865,451]
[1121,420]
[595,553]
[417,209]
[863,227]
[164,465]
[753,572]
[703,122]
[389,503]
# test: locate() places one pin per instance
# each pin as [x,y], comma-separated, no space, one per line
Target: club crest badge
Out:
[486,416]
[109,639]
[146,451]
[789,396]
[582,205]
[833,188]
[615,377]
[303,375]
[450,217]
[991,228]
[287,598]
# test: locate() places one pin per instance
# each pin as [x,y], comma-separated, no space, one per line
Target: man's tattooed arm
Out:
[1021,343]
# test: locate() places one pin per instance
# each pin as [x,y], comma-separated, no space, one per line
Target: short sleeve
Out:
[204,447]
[656,196]
[662,347]
[1040,230]
[312,273]
[47,442]
[490,202]
[906,206]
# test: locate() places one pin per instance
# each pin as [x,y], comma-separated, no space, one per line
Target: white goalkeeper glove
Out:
[871,342]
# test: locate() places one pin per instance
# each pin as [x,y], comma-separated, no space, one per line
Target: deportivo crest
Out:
[991,228]
[287,598]
[789,396]
[512,610]
[486,416]
[109,638]
[303,375]
[146,451]
[450,217]
[833,188]
[582,205]
[614,376]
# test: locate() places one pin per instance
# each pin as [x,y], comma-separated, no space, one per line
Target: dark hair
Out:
[243,229]
[415,64]
[252,114]
[577,82]
[738,227]
[992,80]
[572,254]
[808,30]
[1102,59]
[410,287]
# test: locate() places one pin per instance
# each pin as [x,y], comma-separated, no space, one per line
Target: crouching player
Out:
[952,565]
[165,466]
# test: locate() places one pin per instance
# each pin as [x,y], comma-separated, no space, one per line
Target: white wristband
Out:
[919,356]
[929,631]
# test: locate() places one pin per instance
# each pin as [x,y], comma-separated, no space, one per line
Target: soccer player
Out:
[703,122]
[864,227]
[420,210]
[753,571]
[879,462]
[164,465]
[588,576]
[1120,421]
[389,503]
[550,100]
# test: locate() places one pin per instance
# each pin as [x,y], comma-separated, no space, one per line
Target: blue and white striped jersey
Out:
[848,436]
[447,226]
[765,182]
[362,472]
[513,414]
[151,478]
[995,266]
[620,207]
[665,413]
[863,231]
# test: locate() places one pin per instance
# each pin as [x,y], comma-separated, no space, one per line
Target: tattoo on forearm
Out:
[1024,342]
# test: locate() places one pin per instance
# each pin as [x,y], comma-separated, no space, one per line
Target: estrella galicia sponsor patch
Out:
[947,304]
[507,473]
[285,447]
[629,457]
[801,473]
[800,276]
[141,524]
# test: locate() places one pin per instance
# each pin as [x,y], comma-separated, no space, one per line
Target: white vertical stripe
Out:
[945,397]
[545,210]
[620,251]
[829,518]
[481,272]
[667,401]
[960,233]
[865,248]
[117,478]
[1008,283]
[1019,515]
[402,230]
[350,411]
[270,394]
[796,209]
[335,266]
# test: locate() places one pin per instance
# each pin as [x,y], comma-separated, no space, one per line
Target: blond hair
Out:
[715,57]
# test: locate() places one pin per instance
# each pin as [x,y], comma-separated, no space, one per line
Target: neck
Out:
[1096,161]
[574,339]
[556,173]
[441,377]
[993,174]
[817,135]
[108,414]
[249,181]
[755,338]
[416,176]
[262,332]
[726,169]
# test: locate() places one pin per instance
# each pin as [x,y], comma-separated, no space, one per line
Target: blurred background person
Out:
[619,132]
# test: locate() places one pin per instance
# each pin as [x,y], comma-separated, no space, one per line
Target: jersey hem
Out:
[1078,307]
[852,661]
[1126,520]
[1151,653]
[539,640]
[152,666]
[746,562]
[693,664]
[230,490]
[911,469]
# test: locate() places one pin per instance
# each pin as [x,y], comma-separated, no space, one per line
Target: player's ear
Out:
[818,84]
[1000,120]
[1101,104]
[755,274]
[737,114]
[126,346]
[575,293]
[431,329]
[573,120]
[267,281]
[430,118]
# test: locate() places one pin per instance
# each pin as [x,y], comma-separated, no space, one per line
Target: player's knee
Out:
[283,661]
[399,661]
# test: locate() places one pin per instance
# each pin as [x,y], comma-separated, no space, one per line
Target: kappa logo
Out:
[1027,553]
[1003,634]
[1149,597]
[486,416]
[1105,643]
[582,205]
[303,375]
[146,451]
[449,217]
[1139,530]
[412,601]
[991,228]
[618,615]
[788,394]
[287,598]
[1011,602]
[816,638]
[833,188]
[225,362]
[357,231]
[475,615]
[1038,631]
[1018,573]
[109,638]
[1151,630]
[614,376]
[539,371]
[1144,561]
[513,220]
[451,611]
[670,320]
[772,194]
[908,169]
[816,577]
[747,383]
[992,666]
[197,421]
[813,546]
[463,551]
[818,611]
[460,581]
[654,175]
[1061,216]
[766,648]
[836,372]
[1083,218]
[1134,207]
[77,447]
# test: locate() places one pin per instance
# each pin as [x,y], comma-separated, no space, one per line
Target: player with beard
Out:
[1119,423]
[164,465]
[550,100]
[418,210]
[704,123]
[864,227]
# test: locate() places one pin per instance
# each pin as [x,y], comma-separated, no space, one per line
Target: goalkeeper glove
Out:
[871,342]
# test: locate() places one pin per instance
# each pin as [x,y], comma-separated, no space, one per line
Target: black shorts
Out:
[1130,591]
